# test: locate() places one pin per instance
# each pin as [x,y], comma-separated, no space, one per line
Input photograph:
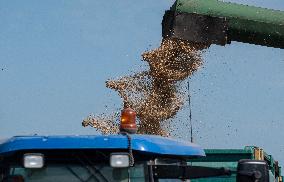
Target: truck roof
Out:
[142,143]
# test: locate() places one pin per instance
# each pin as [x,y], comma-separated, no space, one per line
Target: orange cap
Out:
[128,121]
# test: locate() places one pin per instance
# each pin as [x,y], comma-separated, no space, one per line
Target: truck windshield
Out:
[79,173]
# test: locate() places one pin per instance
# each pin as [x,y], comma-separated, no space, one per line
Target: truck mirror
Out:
[252,171]
[14,178]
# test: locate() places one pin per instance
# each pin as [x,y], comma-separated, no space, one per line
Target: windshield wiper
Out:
[92,169]
[76,175]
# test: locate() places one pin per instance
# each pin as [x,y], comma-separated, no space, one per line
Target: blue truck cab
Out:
[89,158]
[124,157]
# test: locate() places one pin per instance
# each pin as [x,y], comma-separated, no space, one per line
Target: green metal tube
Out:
[245,23]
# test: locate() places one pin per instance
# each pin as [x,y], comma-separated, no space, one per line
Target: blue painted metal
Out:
[142,143]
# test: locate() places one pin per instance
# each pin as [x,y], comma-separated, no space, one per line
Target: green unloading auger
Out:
[216,22]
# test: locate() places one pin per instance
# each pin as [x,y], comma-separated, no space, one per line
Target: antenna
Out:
[190,114]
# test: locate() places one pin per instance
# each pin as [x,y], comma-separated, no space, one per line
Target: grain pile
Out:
[154,94]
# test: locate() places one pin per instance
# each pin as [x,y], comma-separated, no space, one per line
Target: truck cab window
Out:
[79,173]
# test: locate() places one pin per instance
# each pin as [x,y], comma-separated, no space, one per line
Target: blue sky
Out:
[56,55]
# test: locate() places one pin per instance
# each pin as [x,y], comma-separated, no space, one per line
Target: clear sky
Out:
[56,55]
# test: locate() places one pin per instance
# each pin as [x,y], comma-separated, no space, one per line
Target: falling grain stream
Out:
[154,94]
